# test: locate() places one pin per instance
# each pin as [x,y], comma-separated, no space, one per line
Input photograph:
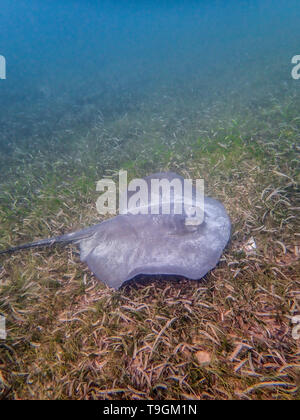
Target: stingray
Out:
[128,245]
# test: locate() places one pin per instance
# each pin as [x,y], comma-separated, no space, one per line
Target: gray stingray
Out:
[128,245]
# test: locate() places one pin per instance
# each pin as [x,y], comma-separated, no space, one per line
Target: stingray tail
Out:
[64,239]
[43,242]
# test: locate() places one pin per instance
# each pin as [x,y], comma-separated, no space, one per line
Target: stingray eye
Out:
[192,223]
[189,211]
[193,219]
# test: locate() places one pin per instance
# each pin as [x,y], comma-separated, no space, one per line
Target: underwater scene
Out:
[149,305]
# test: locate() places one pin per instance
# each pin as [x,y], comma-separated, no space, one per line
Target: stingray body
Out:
[127,245]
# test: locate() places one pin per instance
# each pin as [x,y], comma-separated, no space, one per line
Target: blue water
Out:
[82,45]
[75,70]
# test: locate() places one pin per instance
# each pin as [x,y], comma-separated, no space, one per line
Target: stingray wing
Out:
[128,245]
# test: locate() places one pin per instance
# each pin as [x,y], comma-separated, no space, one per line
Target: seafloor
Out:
[228,336]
